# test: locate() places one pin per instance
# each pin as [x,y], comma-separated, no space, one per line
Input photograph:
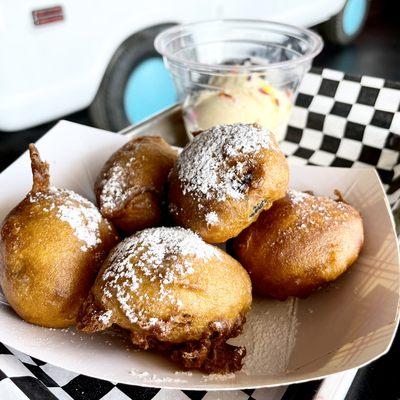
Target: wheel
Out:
[135,85]
[346,26]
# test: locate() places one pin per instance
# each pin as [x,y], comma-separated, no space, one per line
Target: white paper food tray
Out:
[348,324]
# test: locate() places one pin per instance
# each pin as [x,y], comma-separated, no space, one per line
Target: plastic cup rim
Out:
[316,44]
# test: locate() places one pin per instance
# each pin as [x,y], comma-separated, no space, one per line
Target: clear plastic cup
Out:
[231,71]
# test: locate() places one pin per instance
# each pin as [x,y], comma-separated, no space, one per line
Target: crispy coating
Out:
[51,247]
[175,294]
[130,189]
[224,178]
[299,245]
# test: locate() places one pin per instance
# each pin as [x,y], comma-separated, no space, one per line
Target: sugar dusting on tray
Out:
[179,377]
[218,377]
[269,336]
[153,378]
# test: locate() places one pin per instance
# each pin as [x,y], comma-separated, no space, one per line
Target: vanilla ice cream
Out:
[238,98]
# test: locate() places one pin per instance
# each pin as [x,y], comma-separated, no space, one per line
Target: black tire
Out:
[333,32]
[107,109]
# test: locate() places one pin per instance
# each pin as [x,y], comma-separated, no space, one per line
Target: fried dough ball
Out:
[130,189]
[51,247]
[175,294]
[299,244]
[224,178]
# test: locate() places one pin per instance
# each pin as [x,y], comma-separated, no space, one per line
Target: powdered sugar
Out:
[311,209]
[212,218]
[80,214]
[309,212]
[297,197]
[85,222]
[179,377]
[217,163]
[114,185]
[184,373]
[153,378]
[269,336]
[113,188]
[218,377]
[105,317]
[162,256]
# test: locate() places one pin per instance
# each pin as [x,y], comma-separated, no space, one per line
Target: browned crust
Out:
[44,273]
[339,196]
[285,262]
[209,354]
[144,186]
[88,317]
[40,171]
[267,180]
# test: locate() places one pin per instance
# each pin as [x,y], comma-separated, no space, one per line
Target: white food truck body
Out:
[55,55]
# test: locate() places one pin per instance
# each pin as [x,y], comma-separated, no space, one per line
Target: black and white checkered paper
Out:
[338,120]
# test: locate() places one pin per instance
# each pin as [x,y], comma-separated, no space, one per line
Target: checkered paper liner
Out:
[338,120]
[342,120]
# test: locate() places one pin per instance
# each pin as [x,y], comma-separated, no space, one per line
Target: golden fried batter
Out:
[51,247]
[224,178]
[174,293]
[299,244]
[130,189]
